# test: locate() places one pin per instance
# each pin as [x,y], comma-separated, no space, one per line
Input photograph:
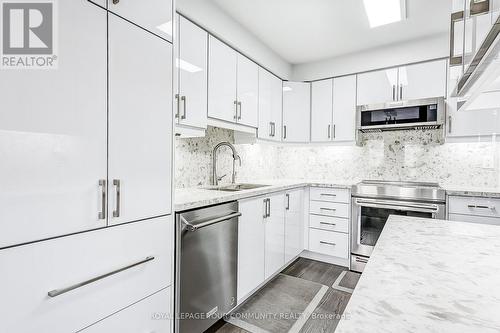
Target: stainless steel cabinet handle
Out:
[363,261]
[116,212]
[284,132]
[193,226]
[178,105]
[287,201]
[449,124]
[327,243]
[326,223]
[57,292]
[393,92]
[102,213]
[273,129]
[329,209]
[334,131]
[183,99]
[235,110]
[398,205]
[481,207]
[270,129]
[328,195]
[265,208]
[329,131]
[239,104]
[115,2]
[400,92]
[268,207]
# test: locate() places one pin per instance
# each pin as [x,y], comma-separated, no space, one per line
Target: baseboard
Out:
[325,258]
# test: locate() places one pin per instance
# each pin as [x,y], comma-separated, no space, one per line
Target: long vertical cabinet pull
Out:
[329,131]
[401,92]
[235,110]
[102,213]
[287,201]
[393,92]
[265,208]
[239,106]
[268,207]
[178,106]
[183,99]
[334,131]
[449,124]
[116,183]
[284,132]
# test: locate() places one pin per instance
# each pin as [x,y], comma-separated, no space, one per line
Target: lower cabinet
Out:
[149,315]
[275,234]
[294,223]
[474,209]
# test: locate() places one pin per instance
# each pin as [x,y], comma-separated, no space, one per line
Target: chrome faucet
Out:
[216,179]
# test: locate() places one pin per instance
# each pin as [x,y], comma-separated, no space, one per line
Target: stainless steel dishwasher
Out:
[206,266]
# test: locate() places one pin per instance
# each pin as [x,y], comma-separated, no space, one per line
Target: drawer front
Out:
[474,219]
[329,209]
[330,194]
[474,206]
[329,223]
[331,243]
[149,315]
[34,270]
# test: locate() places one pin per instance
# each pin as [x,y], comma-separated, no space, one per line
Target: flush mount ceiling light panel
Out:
[382,12]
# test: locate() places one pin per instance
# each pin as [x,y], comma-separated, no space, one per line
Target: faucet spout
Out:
[215,178]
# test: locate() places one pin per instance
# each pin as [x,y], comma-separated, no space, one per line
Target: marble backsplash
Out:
[401,155]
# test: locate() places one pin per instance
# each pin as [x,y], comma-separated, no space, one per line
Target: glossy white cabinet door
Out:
[294,224]
[344,108]
[377,86]
[140,122]
[321,110]
[152,15]
[251,243]
[192,73]
[222,66]
[53,134]
[469,123]
[270,106]
[248,90]
[149,315]
[296,111]
[277,107]
[101,3]
[425,80]
[275,235]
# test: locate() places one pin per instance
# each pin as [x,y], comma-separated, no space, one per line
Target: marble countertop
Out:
[190,198]
[490,192]
[428,276]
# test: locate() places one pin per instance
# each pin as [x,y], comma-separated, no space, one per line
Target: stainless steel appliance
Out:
[374,201]
[206,266]
[413,114]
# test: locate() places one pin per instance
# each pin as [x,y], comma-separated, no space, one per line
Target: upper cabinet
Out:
[153,15]
[344,108]
[191,63]
[422,80]
[296,111]
[321,110]
[233,83]
[270,106]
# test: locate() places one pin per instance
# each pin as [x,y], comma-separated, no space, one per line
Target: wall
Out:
[407,155]
[213,19]
[387,56]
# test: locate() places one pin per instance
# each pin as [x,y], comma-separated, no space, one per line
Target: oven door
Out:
[370,215]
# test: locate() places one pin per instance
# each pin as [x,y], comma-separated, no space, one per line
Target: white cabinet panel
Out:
[222,64]
[275,235]
[140,122]
[247,91]
[344,108]
[270,106]
[377,86]
[321,110]
[329,209]
[53,134]
[192,73]
[296,111]
[331,243]
[474,219]
[149,315]
[152,15]
[30,272]
[423,80]
[329,223]
[251,244]
[330,194]
[101,3]
[294,224]
[474,206]
[468,123]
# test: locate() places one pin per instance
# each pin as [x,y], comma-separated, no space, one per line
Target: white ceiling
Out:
[303,31]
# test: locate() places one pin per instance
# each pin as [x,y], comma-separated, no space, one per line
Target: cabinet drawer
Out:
[149,315]
[330,194]
[474,219]
[31,271]
[328,242]
[474,206]
[329,223]
[329,209]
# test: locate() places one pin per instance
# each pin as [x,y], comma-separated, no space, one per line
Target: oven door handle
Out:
[398,205]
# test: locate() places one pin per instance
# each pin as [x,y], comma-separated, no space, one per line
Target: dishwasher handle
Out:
[193,226]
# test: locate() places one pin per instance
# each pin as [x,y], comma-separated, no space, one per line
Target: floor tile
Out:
[350,280]
[315,271]
[228,328]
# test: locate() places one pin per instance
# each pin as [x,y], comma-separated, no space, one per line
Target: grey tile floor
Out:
[307,297]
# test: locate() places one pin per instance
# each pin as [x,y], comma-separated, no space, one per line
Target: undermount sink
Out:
[235,187]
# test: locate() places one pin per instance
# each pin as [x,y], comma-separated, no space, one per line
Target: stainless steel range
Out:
[374,201]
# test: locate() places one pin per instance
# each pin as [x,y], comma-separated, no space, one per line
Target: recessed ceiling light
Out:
[382,12]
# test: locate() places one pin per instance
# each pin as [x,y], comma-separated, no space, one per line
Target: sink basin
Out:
[236,187]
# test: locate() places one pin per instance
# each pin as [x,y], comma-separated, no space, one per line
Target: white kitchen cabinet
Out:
[149,315]
[191,63]
[321,110]
[377,86]
[153,15]
[270,106]
[139,256]
[247,92]
[275,234]
[424,80]
[251,246]
[294,223]
[222,66]
[140,122]
[344,108]
[53,135]
[296,111]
